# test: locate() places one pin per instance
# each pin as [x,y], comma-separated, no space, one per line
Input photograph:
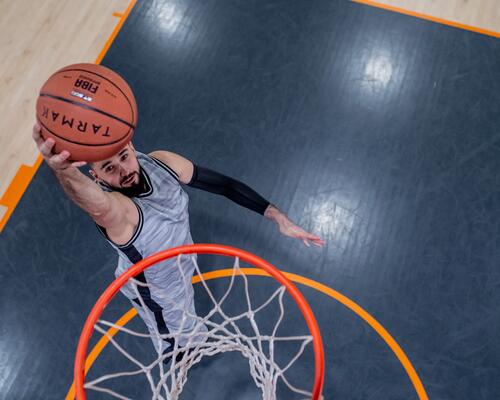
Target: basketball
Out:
[89,110]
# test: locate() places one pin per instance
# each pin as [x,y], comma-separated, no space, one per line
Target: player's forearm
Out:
[245,196]
[215,182]
[83,191]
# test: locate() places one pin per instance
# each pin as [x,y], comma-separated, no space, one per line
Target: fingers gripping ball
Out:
[89,110]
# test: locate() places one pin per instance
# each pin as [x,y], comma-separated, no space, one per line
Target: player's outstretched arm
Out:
[215,182]
[103,208]
[288,228]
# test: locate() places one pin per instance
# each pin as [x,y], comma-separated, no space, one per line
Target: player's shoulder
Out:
[163,155]
[157,153]
[181,166]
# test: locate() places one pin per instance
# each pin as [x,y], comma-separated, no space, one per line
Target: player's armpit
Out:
[119,218]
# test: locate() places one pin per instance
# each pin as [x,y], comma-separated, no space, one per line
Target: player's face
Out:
[119,171]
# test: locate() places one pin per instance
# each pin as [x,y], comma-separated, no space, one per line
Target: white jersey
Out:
[163,223]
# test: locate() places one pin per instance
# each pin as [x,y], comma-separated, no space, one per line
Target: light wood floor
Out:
[483,14]
[37,37]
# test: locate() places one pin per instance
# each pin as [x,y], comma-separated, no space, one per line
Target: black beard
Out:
[135,190]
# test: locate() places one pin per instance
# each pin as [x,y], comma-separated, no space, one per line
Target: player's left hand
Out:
[288,228]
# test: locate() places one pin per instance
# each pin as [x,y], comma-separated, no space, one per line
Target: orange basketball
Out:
[89,110]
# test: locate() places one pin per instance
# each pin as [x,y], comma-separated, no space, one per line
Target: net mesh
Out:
[216,332]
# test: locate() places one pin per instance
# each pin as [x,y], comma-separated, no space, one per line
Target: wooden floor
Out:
[484,14]
[37,38]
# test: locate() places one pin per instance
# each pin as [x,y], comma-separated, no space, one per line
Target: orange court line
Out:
[115,31]
[16,189]
[100,346]
[25,173]
[370,320]
[428,18]
[117,14]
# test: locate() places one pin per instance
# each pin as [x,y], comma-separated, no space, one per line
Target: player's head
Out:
[120,171]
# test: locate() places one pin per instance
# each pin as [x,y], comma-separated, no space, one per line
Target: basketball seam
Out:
[78,143]
[75,103]
[103,77]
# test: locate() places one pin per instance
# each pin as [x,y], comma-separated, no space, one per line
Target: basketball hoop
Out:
[263,367]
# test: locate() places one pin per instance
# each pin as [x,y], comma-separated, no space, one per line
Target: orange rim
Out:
[112,290]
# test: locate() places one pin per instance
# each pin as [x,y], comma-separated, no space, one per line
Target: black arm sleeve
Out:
[214,182]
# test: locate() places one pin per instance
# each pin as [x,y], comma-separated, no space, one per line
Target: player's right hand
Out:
[58,162]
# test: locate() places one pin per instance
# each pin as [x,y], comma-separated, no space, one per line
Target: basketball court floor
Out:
[377,130]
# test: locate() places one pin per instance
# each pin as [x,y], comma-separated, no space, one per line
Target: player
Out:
[140,206]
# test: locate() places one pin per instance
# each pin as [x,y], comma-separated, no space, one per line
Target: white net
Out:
[216,332]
